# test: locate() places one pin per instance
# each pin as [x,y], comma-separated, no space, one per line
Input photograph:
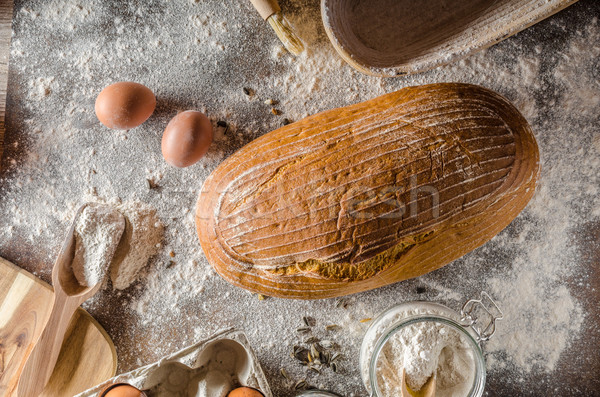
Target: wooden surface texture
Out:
[87,358]
[6,10]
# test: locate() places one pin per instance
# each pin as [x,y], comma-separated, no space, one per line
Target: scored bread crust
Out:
[370,194]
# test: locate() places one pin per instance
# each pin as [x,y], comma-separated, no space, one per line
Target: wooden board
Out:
[88,356]
[6,10]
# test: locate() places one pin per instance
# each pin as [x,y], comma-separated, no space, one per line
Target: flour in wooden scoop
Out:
[97,233]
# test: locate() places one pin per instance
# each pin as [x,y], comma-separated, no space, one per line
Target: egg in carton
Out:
[209,368]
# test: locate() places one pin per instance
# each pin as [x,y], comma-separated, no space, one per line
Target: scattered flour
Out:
[98,230]
[41,87]
[200,55]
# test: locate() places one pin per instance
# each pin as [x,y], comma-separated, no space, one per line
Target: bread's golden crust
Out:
[363,196]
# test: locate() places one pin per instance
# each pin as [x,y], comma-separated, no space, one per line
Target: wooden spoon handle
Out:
[40,363]
[427,390]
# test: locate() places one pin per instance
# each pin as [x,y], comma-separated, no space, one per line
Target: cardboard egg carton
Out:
[209,368]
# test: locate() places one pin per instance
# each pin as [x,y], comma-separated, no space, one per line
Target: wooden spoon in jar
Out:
[69,294]
[428,389]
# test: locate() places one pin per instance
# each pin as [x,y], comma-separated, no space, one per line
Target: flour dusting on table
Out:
[204,56]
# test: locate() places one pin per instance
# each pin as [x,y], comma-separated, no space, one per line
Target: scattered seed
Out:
[334,367]
[301,384]
[325,357]
[223,124]
[286,121]
[309,321]
[317,347]
[276,112]
[248,91]
[151,184]
[261,297]
[366,320]
[315,369]
[170,264]
[303,329]
[284,374]
[313,350]
[327,344]
[312,339]
[271,102]
[172,254]
[342,302]
[302,355]
[332,327]
[336,357]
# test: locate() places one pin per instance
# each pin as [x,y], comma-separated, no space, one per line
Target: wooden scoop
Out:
[428,389]
[68,296]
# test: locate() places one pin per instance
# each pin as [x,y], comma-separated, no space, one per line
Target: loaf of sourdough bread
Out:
[370,194]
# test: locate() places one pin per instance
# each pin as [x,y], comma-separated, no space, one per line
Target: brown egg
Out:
[186,138]
[121,390]
[245,392]
[125,105]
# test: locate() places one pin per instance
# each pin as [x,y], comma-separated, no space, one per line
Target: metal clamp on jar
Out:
[419,347]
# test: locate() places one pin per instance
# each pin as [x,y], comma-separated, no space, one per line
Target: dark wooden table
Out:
[578,370]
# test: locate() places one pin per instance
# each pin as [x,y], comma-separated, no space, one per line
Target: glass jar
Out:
[467,324]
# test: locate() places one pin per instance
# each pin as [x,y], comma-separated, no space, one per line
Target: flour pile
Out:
[98,230]
[424,350]
[141,240]
[118,238]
